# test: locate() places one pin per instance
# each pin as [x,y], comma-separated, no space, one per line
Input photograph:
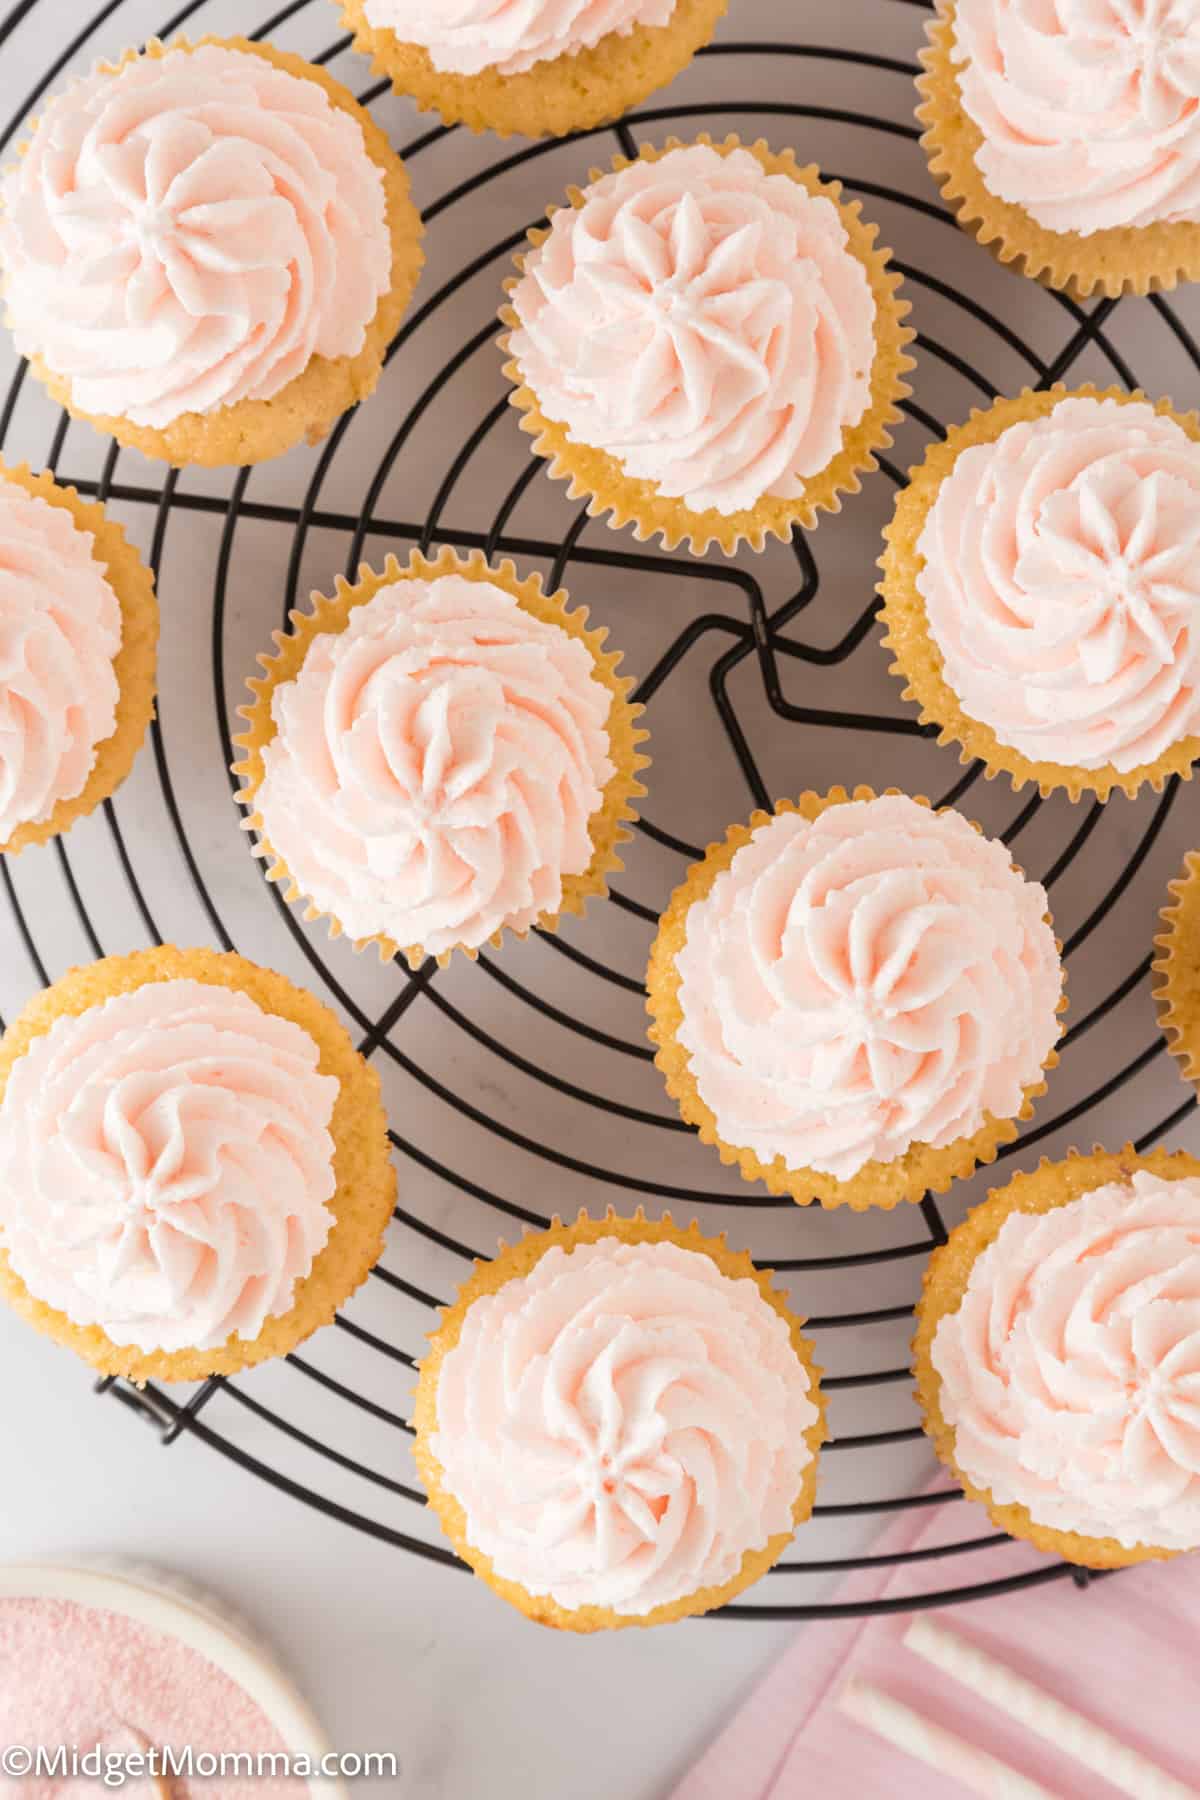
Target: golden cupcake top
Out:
[166,1165]
[1056,1354]
[78,642]
[853,996]
[196,1169]
[1038,589]
[438,754]
[240,243]
[1089,116]
[708,341]
[530,67]
[1065,137]
[234,232]
[618,1423]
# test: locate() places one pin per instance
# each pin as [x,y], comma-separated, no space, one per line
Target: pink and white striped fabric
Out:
[1124,1652]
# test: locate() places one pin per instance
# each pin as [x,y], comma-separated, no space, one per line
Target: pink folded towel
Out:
[1124,1651]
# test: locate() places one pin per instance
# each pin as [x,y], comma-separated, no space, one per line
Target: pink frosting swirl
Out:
[165,1165]
[879,977]
[1062,584]
[702,321]
[465,37]
[1089,109]
[436,765]
[1071,1370]
[191,232]
[622,1424]
[60,629]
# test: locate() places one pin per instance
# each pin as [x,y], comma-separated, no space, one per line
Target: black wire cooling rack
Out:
[489,1136]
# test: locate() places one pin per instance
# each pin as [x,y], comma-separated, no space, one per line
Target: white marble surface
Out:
[396,1652]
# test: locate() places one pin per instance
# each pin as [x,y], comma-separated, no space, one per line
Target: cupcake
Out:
[708,343]
[206,250]
[438,754]
[618,1423]
[194,1164]
[854,998]
[78,639]
[1067,137]
[1058,1339]
[1177,968]
[533,67]
[1041,589]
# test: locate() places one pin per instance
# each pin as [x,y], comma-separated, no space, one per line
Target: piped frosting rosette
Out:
[514,36]
[1066,137]
[194,1164]
[854,998]
[1058,1355]
[78,643]
[167,1165]
[438,754]
[1041,593]
[618,1423]
[206,249]
[530,67]
[709,343]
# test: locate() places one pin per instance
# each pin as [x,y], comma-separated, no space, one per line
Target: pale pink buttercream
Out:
[622,1424]
[877,978]
[465,37]
[60,629]
[88,1678]
[1062,584]
[189,233]
[1071,1369]
[436,765]
[165,1165]
[1089,109]
[702,321]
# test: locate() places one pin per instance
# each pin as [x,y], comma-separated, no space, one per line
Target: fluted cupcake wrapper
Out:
[364,1195]
[514,1262]
[608,826]
[1037,1190]
[134,665]
[919,662]
[306,409]
[571,92]
[1125,259]
[599,477]
[920,1170]
[1177,969]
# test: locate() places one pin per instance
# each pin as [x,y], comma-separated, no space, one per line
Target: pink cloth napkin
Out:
[1124,1651]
